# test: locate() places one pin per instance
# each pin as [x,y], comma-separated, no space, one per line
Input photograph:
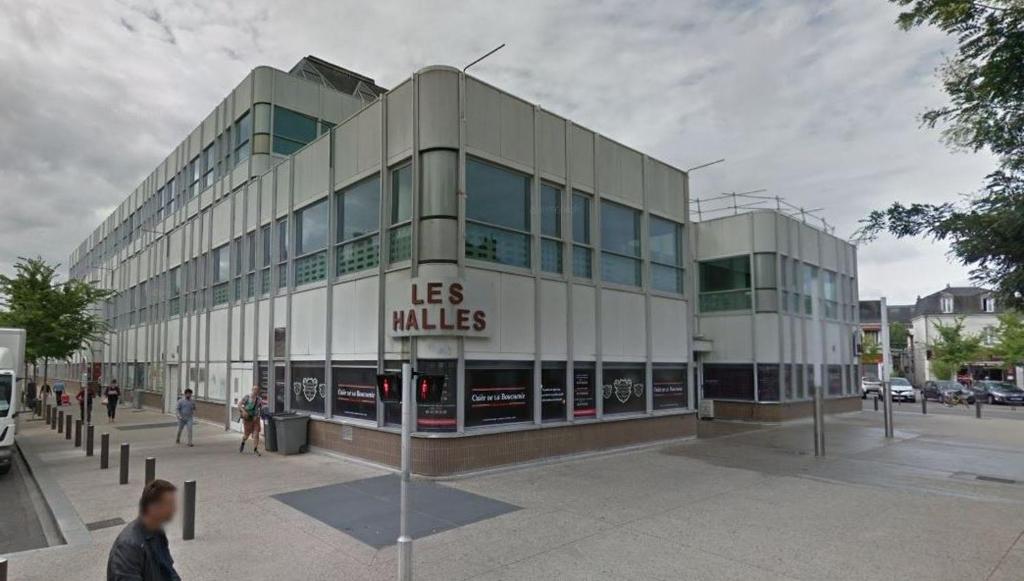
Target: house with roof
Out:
[979,309]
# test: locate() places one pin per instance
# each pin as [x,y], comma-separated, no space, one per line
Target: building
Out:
[316,230]
[979,310]
[902,350]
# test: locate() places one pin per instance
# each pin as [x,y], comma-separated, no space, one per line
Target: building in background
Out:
[901,337]
[316,230]
[980,312]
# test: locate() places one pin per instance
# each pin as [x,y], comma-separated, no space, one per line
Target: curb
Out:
[62,511]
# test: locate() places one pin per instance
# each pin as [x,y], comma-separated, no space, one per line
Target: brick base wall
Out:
[454,455]
[780,412]
[211,412]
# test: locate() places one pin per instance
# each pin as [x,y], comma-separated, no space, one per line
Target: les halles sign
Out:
[441,307]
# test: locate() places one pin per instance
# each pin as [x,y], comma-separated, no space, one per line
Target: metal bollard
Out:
[78,433]
[104,451]
[876,403]
[150,469]
[124,463]
[188,523]
[924,405]
[60,420]
[53,419]
[977,408]
[89,436]
[67,427]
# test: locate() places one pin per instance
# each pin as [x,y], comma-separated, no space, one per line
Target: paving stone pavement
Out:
[748,505]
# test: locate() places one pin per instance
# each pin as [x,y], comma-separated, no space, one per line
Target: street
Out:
[987,411]
[20,529]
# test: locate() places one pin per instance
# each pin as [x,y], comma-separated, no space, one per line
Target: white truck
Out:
[12,353]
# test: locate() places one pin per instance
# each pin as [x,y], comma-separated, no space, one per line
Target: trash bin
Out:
[291,433]
[270,438]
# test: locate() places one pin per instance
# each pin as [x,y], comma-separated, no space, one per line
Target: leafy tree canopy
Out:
[953,349]
[984,81]
[1010,337]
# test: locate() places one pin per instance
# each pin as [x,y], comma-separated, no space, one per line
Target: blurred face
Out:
[255,390]
[188,395]
[162,511]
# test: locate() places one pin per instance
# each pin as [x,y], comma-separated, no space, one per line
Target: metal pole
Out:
[188,523]
[78,433]
[150,469]
[404,541]
[67,427]
[886,371]
[876,403]
[53,420]
[104,451]
[60,420]
[89,435]
[977,407]
[819,422]
[924,404]
[124,463]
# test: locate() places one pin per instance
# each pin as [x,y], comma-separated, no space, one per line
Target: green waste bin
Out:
[292,430]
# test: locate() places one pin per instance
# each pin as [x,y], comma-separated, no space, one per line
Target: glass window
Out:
[400,233]
[193,177]
[497,214]
[439,417]
[209,165]
[243,133]
[265,235]
[725,284]
[282,239]
[625,388]
[810,283]
[309,388]
[498,392]
[358,224]
[728,381]
[292,130]
[355,392]
[768,382]
[830,291]
[552,391]
[582,254]
[221,264]
[311,228]
[620,244]
[670,387]
[666,255]
[551,228]
[250,245]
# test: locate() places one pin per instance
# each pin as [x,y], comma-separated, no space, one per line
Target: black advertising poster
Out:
[308,389]
[438,417]
[552,393]
[584,401]
[669,388]
[355,392]
[498,396]
[624,389]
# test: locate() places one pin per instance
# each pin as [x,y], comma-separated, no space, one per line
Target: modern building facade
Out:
[316,230]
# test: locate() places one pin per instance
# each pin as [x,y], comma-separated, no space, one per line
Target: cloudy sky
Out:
[813,100]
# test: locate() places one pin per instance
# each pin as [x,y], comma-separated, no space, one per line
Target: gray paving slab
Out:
[368,509]
[20,527]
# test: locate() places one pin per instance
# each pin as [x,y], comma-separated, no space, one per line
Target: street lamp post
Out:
[886,371]
[404,540]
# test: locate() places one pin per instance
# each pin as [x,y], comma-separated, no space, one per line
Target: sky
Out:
[816,101]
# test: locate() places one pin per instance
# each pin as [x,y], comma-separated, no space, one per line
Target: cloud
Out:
[816,101]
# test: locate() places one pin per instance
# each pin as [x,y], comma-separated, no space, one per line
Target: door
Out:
[241,383]
[172,388]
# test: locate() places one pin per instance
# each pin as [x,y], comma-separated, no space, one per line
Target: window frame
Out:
[395,227]
[638,239]
[337,240]
[526,234]
[558,238]
[679,266]
[303,255]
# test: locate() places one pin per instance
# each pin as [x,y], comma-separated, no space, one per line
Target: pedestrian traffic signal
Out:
[389,387]
[429,388]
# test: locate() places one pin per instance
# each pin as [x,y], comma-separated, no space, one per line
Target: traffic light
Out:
[429,388]
[389,387]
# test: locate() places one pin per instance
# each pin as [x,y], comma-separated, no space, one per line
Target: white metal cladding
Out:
[537,317]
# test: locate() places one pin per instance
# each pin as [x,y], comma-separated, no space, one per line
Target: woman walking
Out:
[251,407]
[113,394]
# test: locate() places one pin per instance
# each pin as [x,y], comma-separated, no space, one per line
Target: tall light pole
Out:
[886,371]
[404,540]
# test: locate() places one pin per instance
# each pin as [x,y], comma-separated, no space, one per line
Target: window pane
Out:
[358,255]
[265,233]
[311,268]
[311,228]
[497,245]
[667,278]
[725,274]
[665,241]
[400,243]
[550,211]
[497,196]
[582,262]
[401,194]
[358,210]
[581,219]
[625,388]
[499,395]
[243,129]
[620,229]
[292,130]
[282,239]
[221,264]
[550,255]
[620,270]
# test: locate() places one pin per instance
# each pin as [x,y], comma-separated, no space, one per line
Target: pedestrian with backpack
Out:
[251,409]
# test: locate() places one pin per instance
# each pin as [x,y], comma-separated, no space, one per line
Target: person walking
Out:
[44,395]
[141,551]
[113,394]
[58,393]
[251,408]
[85,397]
[186,411]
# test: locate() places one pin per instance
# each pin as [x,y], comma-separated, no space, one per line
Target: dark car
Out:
[993,392]
[941,390]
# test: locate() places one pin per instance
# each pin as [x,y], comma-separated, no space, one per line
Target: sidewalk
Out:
[751,505]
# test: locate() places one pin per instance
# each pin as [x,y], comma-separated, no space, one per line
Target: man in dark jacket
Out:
[141,552]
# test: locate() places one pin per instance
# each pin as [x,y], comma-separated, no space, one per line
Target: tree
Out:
[985,84]
[58,317]
[954,349]
[1010,337]
[898,335]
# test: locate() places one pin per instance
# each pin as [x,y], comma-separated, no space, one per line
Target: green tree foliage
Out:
[898,336]
[953,349]
[58,317]
[984,80]
[1010,337]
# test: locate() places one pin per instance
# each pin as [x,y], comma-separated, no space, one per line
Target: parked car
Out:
[870,385]
[901,389]
[941,390]
[993,392]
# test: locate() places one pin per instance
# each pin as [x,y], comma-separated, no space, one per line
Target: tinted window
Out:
[311,228]
[358,210]
[620,229]
[497,196]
